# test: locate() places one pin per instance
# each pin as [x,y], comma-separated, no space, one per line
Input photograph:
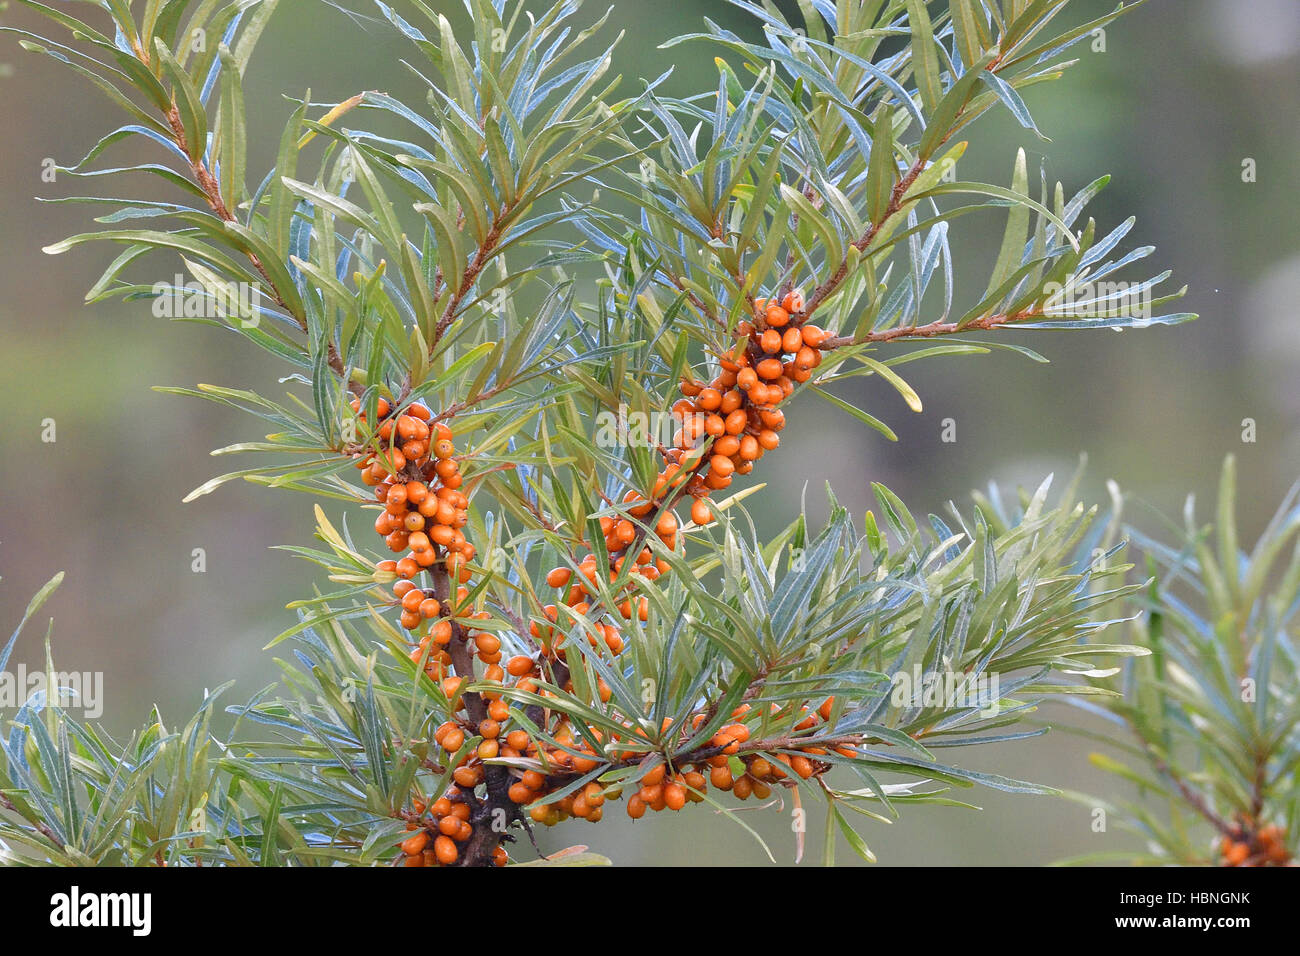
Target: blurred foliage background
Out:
[1184,92]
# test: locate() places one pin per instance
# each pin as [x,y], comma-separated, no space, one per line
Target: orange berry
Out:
[709,399]
[441,632]
[728,446]
[737,732]
[725,741]
[700,513]
[1237,854]
[445,849]
[777,317]
[414,845]
[721,465]
[518,793]
[813,336]
[468,777]
[674,796]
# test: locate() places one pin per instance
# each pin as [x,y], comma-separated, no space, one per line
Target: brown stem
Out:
[1192,798]
[471,275]
[498,809]
[41,827]
[828,288]
[212,194]
[931,330]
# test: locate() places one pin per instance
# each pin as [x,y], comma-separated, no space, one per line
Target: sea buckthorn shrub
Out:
[1206,736]
[563,613]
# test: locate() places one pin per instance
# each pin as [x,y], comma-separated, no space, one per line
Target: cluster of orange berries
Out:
[442,828]
[1248,846]
[582,587]
[719,763]
[731,422]
[722,766]
[416,478]
[726,426]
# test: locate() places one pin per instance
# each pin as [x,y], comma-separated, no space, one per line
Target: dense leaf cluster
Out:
[444,265]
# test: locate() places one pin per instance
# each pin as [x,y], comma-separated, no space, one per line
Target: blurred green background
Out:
[1184,92]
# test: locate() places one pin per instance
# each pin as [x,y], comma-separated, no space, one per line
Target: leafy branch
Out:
[549,635]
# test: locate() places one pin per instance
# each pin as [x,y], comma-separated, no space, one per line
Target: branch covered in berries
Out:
[556,636]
